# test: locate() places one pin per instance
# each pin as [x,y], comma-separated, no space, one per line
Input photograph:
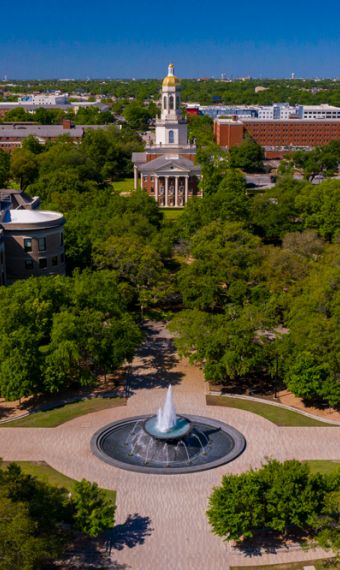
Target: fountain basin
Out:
[181,428]
[209,443]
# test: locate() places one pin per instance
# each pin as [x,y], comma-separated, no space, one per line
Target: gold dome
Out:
[171,80]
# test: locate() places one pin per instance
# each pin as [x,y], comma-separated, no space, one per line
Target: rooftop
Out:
[44,131]
[32,217]
[241,121]
[170,162]
[322,107]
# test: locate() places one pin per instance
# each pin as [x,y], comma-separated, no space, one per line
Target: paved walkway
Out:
[161,519]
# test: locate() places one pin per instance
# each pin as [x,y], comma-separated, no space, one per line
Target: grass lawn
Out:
[329,564]
[279,416]
[323,466]
[57,416]
[124,185]
[171,214]
[44,472]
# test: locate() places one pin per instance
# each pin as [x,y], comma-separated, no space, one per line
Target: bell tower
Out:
[171,129]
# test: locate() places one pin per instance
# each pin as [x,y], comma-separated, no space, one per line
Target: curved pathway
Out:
[161,518]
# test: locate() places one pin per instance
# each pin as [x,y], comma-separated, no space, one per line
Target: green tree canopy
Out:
[319,208]
[279,496]
[94,510]
[63,330]
[4,168]
[248,156]
[24,167]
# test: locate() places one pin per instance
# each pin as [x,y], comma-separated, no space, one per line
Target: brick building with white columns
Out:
[166,170]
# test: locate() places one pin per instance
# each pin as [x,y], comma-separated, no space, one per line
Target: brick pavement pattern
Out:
[161,519]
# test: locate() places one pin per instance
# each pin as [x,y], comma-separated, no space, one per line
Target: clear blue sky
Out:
[126,38]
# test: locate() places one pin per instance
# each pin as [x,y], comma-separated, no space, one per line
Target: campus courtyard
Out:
[162,519]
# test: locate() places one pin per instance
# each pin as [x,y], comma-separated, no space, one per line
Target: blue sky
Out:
[72,38]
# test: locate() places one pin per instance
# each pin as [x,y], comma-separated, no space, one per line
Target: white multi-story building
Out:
[320,112]
[278,111]
[44,99]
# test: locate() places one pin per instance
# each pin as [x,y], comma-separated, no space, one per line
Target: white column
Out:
[141,181]
[186,189]
[166,190]
[135,172]
[176,191]
[156,189]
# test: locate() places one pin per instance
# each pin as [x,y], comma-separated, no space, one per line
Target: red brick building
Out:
[277,136]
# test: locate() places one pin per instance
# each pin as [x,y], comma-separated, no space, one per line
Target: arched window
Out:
[171,102]
[171,137]
[164,102]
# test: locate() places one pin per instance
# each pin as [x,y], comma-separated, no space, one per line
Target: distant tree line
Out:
[205,92]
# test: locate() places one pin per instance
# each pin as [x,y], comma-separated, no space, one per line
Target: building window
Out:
[62,238]
[171,102]
[43,263]
[55,260]
[164,102]
[171,137]
[62,258]
[28,244]
[42,244]
[29,264]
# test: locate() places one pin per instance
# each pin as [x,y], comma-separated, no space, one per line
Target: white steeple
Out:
[171,129]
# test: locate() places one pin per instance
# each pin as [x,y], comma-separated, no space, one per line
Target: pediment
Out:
[168,165]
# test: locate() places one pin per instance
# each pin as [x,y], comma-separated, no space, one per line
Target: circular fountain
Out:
[167,443]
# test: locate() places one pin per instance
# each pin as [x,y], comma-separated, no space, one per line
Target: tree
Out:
[248,156]
[236,508]
[319,208]
[231,201]
[307,244]
[137,116]
[20,549]
[136,263]
[32,144]
[24,167]
[310,351]
[214,162]
[63,331]
[322,160]
[224,343]
[93,509]
[4,168]
[275,212]
[223,254]
[311,379]
[327,525]
[31,515]
[18,114]
[278,496]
